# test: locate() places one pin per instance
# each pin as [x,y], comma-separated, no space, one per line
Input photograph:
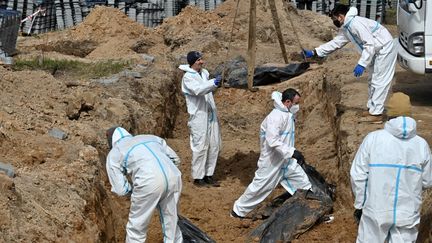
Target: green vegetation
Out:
[390,16]
[71,67]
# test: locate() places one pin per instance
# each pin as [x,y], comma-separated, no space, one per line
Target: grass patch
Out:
[71,67]
[390,16]
[346,2]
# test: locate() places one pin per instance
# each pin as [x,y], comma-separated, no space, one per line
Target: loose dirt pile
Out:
[61,191]
[106,33]
[114,33]
[210,32]
[105,23]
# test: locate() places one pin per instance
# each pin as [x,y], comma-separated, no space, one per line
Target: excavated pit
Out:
[319,136]
[84,210]
[68,47]
[240,124]
[60,189]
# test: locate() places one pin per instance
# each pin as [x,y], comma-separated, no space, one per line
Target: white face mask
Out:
[294,108]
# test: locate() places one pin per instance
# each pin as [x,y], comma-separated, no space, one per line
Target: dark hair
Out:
[289,94]
[109,133]
[339,9]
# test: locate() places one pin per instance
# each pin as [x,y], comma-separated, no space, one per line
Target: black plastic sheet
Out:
[289,217]
[323,190]
[236,72]
[191,233]
[265,75]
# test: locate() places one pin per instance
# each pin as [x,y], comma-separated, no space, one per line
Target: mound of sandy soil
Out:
[210,32]
[114,32]
[106,33]
[104,23]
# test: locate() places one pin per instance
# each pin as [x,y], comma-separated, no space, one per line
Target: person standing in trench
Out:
[205,138]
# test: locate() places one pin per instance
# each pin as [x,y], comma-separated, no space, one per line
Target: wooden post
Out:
[278,29]
[252,44]
[287,10]
[229,46]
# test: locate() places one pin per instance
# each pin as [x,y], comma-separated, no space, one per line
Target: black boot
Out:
[234,215]
[200,183]
[209,180]
[277,202]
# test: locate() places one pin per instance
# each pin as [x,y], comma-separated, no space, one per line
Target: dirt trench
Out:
[85,210]
[240,114]
[60,190]
[325,135]
[112,211]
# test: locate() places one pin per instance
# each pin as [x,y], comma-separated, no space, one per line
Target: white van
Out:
[414,20]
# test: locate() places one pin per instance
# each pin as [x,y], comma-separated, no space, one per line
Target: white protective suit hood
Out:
[277,101]
[186,68]
[401,127]
[352,12]
[118,134]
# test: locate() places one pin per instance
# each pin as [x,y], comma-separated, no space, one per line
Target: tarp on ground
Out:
[298,213]
[236,72]
[191,233]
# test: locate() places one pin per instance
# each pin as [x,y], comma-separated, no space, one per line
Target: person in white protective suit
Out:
[378,53]
[205,138]
[156,182]
[388,174]
[279,161]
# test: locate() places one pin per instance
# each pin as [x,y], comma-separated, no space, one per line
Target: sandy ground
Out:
[61,191]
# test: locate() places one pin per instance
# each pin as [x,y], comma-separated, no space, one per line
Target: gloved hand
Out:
[358,70]
[299,157]
[357,215]
[217,80]
[308,53]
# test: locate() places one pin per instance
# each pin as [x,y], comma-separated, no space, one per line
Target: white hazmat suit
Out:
[156,182]
[378,53]
[388,173]
[205,139]
[275,164]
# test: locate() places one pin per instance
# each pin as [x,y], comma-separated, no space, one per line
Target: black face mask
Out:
[337,23]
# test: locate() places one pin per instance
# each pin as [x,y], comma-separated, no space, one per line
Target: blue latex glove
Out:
[358,70]
[217,80]
[308,53]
